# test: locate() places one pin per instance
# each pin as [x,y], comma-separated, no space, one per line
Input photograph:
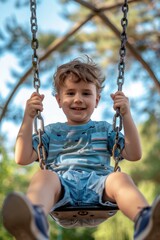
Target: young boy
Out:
[78,152]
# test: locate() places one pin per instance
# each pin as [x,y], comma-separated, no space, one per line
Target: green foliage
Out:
[117,227]
[149,168]
[71,234]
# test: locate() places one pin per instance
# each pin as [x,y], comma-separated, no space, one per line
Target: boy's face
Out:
[77,100]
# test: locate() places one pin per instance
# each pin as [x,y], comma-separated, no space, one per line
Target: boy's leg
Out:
[44,189]
[120,188]
[25,217]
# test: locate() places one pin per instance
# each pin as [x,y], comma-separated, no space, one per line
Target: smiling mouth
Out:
[78,108]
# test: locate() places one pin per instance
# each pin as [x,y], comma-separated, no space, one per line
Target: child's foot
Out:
[22,220]
[147,226]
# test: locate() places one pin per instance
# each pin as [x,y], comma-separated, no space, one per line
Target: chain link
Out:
[117,119]
[37,83]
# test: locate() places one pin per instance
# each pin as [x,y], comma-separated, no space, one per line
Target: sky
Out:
[49,18]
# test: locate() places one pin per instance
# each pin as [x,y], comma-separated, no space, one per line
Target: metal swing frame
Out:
[80,212]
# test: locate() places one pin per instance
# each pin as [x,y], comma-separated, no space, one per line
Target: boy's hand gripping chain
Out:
[120,80]
[36,83]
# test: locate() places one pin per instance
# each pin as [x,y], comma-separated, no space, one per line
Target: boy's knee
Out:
[122,181]
[47,177]
[119,176]
[115,181]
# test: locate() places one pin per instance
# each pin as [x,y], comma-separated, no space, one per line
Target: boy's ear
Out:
[57,96]
[97,100]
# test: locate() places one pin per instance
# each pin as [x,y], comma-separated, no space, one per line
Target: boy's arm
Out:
[24,152]
[132,150]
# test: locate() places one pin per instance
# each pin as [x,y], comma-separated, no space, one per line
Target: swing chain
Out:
[36,83]
[122,51]
[117,127]
[34,45]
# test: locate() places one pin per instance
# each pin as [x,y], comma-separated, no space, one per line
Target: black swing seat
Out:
[81,212]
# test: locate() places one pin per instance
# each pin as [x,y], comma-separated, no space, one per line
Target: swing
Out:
[69,212]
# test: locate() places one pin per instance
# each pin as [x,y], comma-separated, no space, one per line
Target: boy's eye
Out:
[86,93]
[70,93]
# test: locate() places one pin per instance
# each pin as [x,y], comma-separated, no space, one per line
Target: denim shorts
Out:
[81,188]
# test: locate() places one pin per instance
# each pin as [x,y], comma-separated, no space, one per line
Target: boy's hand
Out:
[121,102]
[34,104]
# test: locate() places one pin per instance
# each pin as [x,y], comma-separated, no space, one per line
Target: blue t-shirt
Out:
[85,147]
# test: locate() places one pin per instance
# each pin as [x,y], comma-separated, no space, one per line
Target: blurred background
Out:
[66,30]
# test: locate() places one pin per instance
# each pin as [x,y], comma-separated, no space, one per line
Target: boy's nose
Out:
[78,98]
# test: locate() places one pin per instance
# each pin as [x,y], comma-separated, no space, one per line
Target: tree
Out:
[102,30]
[94,31]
